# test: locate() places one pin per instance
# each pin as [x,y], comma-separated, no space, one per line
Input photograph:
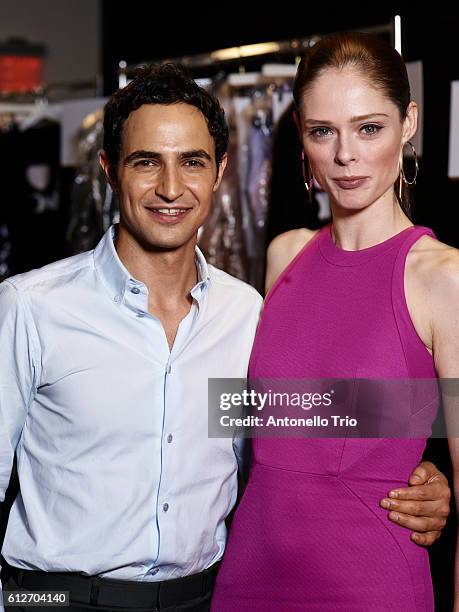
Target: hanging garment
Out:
[222,239]
[5,252]
[32,217]
[259,178]
[94,206]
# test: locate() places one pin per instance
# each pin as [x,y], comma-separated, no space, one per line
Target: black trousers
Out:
[190,594]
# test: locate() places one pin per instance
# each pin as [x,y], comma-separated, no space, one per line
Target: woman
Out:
[370,296]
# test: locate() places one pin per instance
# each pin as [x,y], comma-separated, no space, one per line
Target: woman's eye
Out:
[320,132]
[370,129]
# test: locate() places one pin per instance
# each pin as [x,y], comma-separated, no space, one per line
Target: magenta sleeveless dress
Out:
[309,533]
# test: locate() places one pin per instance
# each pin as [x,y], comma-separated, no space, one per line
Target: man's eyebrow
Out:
[195,153]
[135,155]
[199,153]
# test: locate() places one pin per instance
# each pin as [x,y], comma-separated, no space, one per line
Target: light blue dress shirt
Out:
[118,475]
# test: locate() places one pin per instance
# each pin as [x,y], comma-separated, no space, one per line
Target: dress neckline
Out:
[335,254]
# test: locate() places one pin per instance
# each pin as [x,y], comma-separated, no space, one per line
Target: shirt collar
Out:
[116,277]
[203,268]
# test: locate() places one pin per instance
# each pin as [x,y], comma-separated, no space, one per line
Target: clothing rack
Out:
[56,92]
[229,57]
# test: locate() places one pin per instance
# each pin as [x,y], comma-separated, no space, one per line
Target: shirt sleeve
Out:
[18,367]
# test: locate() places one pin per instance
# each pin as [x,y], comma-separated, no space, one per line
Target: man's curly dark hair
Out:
[161,84]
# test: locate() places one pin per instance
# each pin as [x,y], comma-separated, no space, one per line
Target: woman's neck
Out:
[356,230]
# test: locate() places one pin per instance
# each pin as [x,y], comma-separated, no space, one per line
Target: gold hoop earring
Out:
[402,177]
[307,177]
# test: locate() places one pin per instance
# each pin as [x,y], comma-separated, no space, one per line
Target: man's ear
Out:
[107,168]
[221,170]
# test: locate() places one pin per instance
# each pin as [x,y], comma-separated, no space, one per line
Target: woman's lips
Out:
[351,183]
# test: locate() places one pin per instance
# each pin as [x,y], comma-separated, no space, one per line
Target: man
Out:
[103,378]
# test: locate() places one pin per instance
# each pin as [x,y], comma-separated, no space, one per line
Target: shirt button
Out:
[169,368]
[169,438]
[154,571]
[165,507]
[117,299]
[135,290]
